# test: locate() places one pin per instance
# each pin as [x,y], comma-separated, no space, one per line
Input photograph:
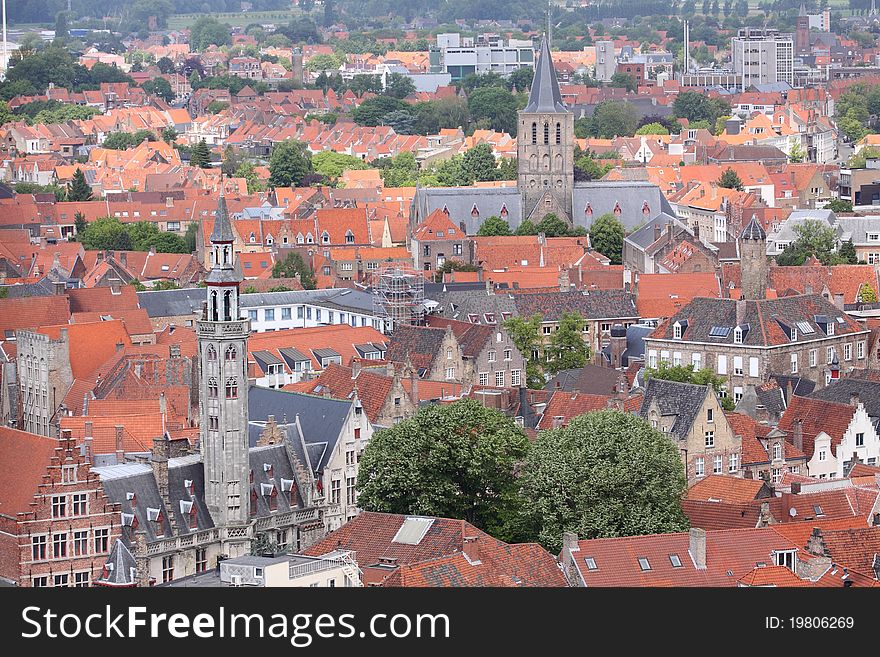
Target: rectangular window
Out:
[860,440]
[499,378]
[491,355]
[350,494]
[860,350]
[484,378]
[515,378]
[308,312]
[829,355]
[40,582]
[299,312]
[80,543]
[79,506]
[168,568]
[737,366]
[794,363]
[59,506]
[676,358]
[201,560]
[717,464]
[508,354]
[335,487]
[38,548]
[721,364]
[652,359]
[733,463]
[450,373]
[59,545]
[777,475]
[699,466]
[102,539]
[710,439]
[252,315]
[68,474]
[81,580]
[847,351]
[285,313]
[753,366]
[270,314]
[813,358]
[61,580]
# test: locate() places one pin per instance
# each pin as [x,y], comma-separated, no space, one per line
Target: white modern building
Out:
[488,53]
[273,311]
[763,56]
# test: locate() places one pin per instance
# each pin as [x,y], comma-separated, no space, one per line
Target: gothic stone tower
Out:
[223,337]
[545,147]
[753,260]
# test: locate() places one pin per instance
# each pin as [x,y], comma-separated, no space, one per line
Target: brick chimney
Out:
[698,547]
[569,545]
[142,562]
[797,434]
[762,414]
[471,548]
[854,400]
[355,367]
[159,463]
[120,444]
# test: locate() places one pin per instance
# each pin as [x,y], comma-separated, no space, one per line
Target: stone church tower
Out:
[545,147]
[753,260]
[223,337]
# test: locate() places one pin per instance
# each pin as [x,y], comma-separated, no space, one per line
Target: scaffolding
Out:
[399,296]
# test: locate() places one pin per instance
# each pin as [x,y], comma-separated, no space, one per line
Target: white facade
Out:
[762,57]
[267,314]
[860,438]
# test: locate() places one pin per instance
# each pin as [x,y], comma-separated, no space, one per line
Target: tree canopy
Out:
[289,163]
[451,460]
[566,349]
[493,226]
[293,266]
[606,236]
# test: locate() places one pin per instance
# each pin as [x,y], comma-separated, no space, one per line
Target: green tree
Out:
[701,377]
[450,266]
[6,115]
[399,86]
[493,226]
[526,227]
[61,32]
[521,78]
[526,335]
[606,474]
[730,180]
[79,222]
[450,460]
[613,119]
[796,152]
[653,129]
[402,171]
[860,160]
[159,87]
[169,135]
[294,266]
[867,294]
[567,349]
[289,163]
[333,165]
[106,233]
[846,254]
[207,31]
[247,171]
[189,237]
[496,107]
[852,128]
[624,80]
[79,189]
[606,236]
[694,106]
[372,112]
[200,155]
[552,226]
[232,159]
[838,205]
[479,163]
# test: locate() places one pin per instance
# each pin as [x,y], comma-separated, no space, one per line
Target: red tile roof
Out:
[33,312]
[24,459]
[569,405]
[90,345]
[817,415]
[102,299]
[722,488]
[663,295]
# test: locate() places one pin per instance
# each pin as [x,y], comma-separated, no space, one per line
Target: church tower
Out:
[755,268]
[223,338]
[545,147]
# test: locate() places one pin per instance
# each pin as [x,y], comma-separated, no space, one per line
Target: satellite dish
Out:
[792,512]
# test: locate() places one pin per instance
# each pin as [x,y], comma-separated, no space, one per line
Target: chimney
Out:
[797,434]
[762,415]
[123,260]
[355,367]
[414,386]
[838,300]
[795,488]
[789,392]
[60,287]
[569,545]
[740,311]
[471,548]
[159,463]
[657,232]
[142,562]
[114,288]
[100,257]
[854,400]
[698,547]
[120,444]
[876,521]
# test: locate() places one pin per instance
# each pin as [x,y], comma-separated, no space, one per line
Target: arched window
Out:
[534,133]
[533,162]
[546,133]
[545,162]
[231,389]
[349,237]
[227,305]
[214,306]
[558,133]
[212,353]
[325,237]
[230,353]
[213,391]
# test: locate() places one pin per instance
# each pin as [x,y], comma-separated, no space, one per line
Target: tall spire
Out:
[545,96]
[803,10]
[222,227]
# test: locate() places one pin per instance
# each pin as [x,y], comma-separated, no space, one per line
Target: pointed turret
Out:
[222,227]
[753,230]
[803,9]
[544,95]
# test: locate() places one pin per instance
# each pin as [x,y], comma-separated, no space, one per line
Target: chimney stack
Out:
[159,463]
[120,444]
[471,548]
[795,488]
[797,434]
[854,400]
[355,367]
[698,547]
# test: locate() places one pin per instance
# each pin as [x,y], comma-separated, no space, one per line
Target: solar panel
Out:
[805,328]
[413,530]
[719,332]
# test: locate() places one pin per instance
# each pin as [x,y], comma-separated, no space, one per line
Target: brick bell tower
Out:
[545,146]
[223,337]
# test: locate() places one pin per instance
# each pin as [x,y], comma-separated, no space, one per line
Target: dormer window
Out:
[349,237]
[475,212]
[830,328]
[267,468]
[253,238]
[676,331]
[737,335]
[794,335]
[189,485]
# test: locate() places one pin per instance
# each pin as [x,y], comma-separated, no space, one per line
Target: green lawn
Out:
[241,19]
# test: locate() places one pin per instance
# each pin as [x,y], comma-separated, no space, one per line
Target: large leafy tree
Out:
[494,108]
[200,155]
[207,31]
[106,233]
[399,86]
[373,111]
[606,474]
[292,266]
[452,460]
[332,164]
[289,163]
[694,106]
[552,226]
[730,180]
[120,141]
[79,189]
[479,163]
[701,377]
[567,349]
[526,335]
[606,236]
[493,226]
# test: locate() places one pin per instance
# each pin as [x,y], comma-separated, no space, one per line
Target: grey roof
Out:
[635,344]
[146,496]
[787,233]
[544,95]
[843,390]
[683,400]
[266,358]
[459,304]
[590,200]
[591,304]
[277,459]
[590,379]
[645,236]
[222,226]
[322,419]
[171,303]
[857,228]
[753,230]
[120,566]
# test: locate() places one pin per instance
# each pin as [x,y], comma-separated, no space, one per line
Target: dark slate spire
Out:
[222,227]
[753,230]
[803,9]
[545,96]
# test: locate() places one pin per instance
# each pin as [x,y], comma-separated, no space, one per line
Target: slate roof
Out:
[842,391]
[591,379]
[635,344]
[222,226]
[461,304]
[419,344]
[591,304]
[544,95]
[765,318]
[683,400]
[119,567]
